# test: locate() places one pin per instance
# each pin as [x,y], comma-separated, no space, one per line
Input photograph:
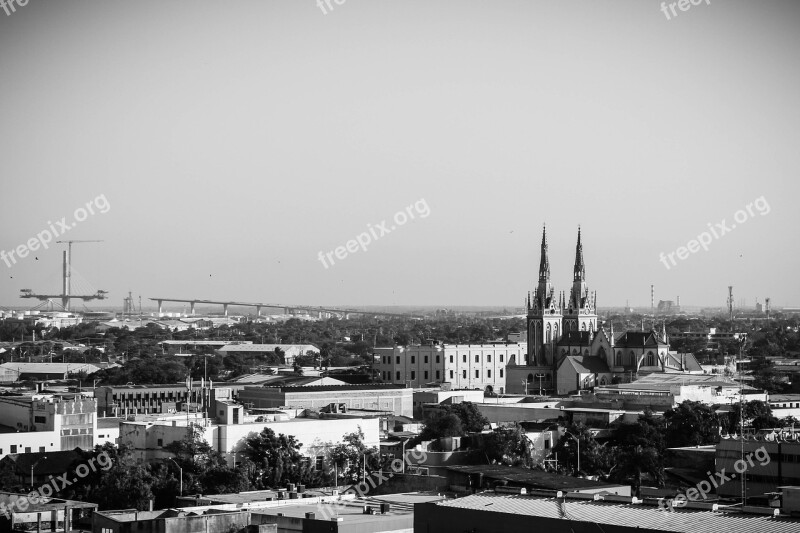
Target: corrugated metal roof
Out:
[629,515]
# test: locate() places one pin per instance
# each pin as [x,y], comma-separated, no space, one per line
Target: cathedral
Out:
[568,351]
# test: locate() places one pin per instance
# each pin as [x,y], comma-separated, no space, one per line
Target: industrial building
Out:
[593,513]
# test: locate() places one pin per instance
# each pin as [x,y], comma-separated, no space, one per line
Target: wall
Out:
[49,440]
[314,434]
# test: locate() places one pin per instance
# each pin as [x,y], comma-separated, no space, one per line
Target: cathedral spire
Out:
[580,268]
[544,264]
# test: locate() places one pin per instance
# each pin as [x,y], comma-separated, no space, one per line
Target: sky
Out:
[226,147]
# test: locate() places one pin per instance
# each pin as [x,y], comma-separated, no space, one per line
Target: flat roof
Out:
[625,514]
[531,478]
[352,511]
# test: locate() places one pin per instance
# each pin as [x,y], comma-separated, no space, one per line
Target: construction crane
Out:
[65,295]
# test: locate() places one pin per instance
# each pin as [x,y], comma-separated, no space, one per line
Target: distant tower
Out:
[730,303]
[580,309]
[544,314]
[652,298]
[766,307]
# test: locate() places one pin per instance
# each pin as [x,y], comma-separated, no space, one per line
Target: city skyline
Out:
[219,151]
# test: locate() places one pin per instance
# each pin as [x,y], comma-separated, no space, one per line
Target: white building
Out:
[44,423]
[463,366]
[316,435]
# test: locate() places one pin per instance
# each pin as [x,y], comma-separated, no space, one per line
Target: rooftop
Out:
[625,514]
[531,478]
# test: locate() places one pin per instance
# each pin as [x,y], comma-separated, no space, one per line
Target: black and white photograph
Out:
[399,266]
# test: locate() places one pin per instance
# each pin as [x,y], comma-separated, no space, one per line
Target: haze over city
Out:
[234,142]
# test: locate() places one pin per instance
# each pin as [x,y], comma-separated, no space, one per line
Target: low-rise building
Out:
[124,400]
[44,423]
[784,405]
[317,435]
[290,351]
[377,397]
[663,391]
[16,371]
[579,513]
[173,521]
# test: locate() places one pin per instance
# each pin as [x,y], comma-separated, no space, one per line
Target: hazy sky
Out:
[233,141]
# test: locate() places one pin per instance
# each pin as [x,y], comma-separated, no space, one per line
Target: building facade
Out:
[463,366]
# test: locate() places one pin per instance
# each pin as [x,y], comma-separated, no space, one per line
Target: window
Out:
[398,359]
[465,357]
[319,462]
[547,445]
[489,374]
[618,359]
[413,375]
[426,359]
[501,372]
[489,358]
[437,374]
[160,442]
[477,358]
[27,449]
[501,358]
[437,359]
[398,376]
[41,449]
[39,419]
[413,359]
[451,377]
[451,358]
[464,373]
[426,374]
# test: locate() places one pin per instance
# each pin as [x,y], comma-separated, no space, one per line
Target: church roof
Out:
[637,339]
[575,338]
[588,364]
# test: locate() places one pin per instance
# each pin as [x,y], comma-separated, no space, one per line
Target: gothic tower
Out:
[544,315]
[581,311]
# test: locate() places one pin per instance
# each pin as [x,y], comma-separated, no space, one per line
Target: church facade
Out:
[567,349]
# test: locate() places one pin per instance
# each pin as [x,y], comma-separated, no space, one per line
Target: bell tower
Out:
[544,315]
[581,311]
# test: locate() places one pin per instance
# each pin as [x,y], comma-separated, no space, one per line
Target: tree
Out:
[277,461]
[634,461]
[639,451]
[595,458]
[351,455]
[691,424]
[441,425]
[757,414]
[128,484]
[508,446]
[472,420]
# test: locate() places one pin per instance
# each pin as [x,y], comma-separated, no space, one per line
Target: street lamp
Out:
[181,474]
[579,447]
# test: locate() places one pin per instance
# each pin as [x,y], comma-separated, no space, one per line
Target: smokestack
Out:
[652,297]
